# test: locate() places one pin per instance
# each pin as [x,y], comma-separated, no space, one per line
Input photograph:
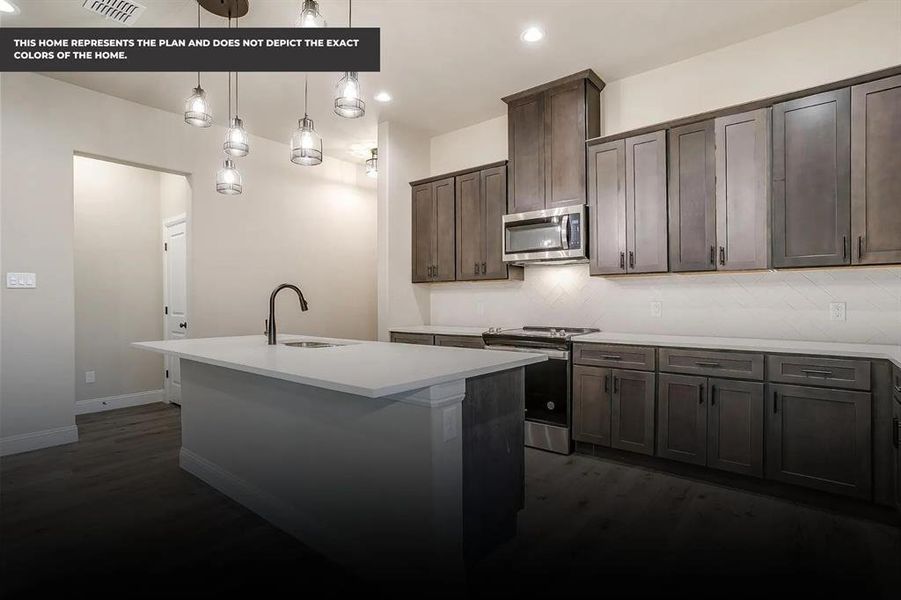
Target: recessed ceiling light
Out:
[7,7]
[532,35]
[383,97]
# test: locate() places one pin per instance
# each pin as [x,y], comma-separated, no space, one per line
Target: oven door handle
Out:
[549,352]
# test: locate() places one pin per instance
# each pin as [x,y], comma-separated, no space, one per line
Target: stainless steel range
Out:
[548,404]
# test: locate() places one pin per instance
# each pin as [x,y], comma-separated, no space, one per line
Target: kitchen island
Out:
[396,461]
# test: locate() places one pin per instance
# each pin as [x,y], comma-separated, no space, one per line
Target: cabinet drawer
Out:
[816,370]
[423,339]
[460,341]
[622,357]
[740,365]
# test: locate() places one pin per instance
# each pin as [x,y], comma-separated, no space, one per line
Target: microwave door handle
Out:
[564,232]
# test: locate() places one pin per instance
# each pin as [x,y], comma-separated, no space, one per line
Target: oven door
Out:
[545,235]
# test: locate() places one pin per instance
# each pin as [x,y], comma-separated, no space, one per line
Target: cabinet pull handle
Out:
[631,259]
[610,357]
[615,384]
[775,402]
[712,395]
[713,255]
[821,372]
[622,261]
[701,363]
[606,383]
[859,247]
[701,394]
[844,246]
[896,431]
[476,268]
[722,255]
[484,269]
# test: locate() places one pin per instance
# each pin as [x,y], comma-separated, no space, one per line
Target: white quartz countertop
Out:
[440,330]
[877,351]
[372,369]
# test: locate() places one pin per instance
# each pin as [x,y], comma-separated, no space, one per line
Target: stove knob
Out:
[551,406]
[553,332]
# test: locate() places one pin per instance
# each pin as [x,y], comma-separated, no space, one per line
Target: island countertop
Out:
[371,369]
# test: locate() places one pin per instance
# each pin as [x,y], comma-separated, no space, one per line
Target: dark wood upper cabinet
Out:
[481,199]
[876,171]
[433,231]
[820,438]
[607,208]
[627,205]
[812,180]
[547,129]
[646,228]
[692,197]
[743,190]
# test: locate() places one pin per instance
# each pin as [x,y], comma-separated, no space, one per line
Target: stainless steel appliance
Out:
[555,235]
[547,397]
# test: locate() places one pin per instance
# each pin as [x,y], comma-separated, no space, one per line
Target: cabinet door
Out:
[423,231]
[735,426]
[470,226]
[494,201]
[692,197]
[896,435]
[632,411]
[565,145]
[742,190]
[682,418]
[875,174]
[526,139]
[443,249]
[819,438]
[591,405]
[607,208]
[646,228]
[812,180]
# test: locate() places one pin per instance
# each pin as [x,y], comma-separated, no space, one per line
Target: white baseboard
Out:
[26,442]
[83,407]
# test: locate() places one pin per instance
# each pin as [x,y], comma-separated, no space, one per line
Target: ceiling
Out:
[446,63]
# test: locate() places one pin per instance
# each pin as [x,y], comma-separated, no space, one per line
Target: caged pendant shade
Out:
[197,109]
[348,101]
[310,15]
[236,143]
[228,179]
[372,164]
[306,145]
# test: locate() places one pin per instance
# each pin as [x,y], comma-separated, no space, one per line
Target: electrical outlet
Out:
[21,280]
[836,311]
[449,418]
[656,309]
[90,377]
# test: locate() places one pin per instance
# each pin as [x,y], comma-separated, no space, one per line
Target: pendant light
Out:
[306,145]
[348,103]
[197,109]
[310,15]
[372,165]
[228,179]
[236,141]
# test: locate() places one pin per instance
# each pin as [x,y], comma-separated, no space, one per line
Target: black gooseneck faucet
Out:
[270,325]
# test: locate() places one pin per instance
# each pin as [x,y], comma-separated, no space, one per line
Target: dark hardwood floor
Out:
[114,516]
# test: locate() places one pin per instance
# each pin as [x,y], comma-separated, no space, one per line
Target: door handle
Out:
[183,325]
[722,255]
[622,261]
[631,259]
[712,395]
[701,394]
[484,269]
[476,270]
[859,247]
[713,255]
[844,246]
[615,384]
[606,383]
[775,402]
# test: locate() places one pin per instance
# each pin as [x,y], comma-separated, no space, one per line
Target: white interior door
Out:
[175,298]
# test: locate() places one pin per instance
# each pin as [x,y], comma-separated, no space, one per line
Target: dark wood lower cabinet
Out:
[682,418]
[819,438]
[896,436]
[632,410]
[591,404]
[735,426]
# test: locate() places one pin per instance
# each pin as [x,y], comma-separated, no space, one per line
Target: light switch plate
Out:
[656,309]
[836,311]
[21,280]
[90,377]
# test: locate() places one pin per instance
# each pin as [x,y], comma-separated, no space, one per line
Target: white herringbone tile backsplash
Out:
[769,304]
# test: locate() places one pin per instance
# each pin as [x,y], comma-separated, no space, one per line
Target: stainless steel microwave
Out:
[555,235]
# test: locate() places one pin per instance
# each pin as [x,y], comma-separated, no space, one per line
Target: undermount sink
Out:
[309,344]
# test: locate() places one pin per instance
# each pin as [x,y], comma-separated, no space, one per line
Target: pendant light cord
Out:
[306,79]
[229,82]
[349,13]
[236,77]
[198,27]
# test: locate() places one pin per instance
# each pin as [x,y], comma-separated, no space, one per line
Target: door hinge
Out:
[165,310]
[165,246]
[167,373]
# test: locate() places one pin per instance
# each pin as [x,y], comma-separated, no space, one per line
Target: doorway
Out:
[131,281]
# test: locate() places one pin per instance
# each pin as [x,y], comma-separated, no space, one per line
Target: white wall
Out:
[175,193]
[312,226]
[862,38]
[403,157]
[118,277]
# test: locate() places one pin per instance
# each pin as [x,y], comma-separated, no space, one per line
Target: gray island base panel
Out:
[404,487]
